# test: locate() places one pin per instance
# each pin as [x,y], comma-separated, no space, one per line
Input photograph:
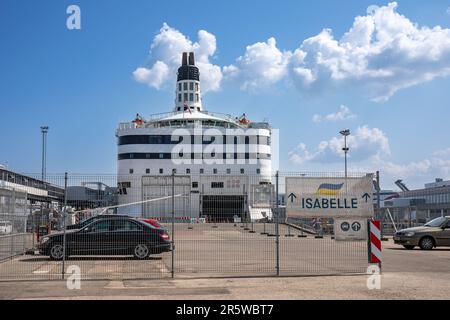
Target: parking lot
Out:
[208,258]
[225,250]
[204,250]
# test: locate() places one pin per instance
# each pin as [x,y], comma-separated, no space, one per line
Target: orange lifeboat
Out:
[243,120]
[138,121]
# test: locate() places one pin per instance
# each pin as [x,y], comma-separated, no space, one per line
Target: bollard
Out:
[289,232]
[302,235]
[264,232]
[319,235]
[252,231]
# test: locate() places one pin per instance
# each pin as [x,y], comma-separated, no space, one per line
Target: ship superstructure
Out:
[220,162]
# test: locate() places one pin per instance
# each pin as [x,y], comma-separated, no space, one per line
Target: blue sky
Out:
[392,92]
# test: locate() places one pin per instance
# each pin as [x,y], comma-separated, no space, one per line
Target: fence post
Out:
[64,226]
[378,213]
[173,226]
[13,211]
[277,231]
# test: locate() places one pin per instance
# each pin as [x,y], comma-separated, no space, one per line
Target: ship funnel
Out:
[191,59]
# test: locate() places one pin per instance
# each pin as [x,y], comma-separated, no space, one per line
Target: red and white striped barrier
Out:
[375,241]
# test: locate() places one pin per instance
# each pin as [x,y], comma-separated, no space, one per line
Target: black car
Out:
[108,236]
[84,223]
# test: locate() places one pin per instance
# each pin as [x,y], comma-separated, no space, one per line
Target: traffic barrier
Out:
[375,241]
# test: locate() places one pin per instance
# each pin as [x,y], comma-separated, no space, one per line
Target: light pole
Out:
[44,130]
[345,133]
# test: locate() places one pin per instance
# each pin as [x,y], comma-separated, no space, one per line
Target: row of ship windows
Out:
[191,86]
[190,95]
[188,171]
[212,155]
[169,139]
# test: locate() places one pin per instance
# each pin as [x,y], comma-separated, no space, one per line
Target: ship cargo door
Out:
[223,208]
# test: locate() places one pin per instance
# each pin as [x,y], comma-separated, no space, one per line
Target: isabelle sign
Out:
[329,197]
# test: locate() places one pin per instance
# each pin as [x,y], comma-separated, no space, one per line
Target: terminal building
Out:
[36,189]
[421,205]
[222,164]
[91,195]
[26,201]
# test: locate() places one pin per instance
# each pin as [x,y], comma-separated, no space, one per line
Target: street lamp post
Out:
[345,133]
[44,130]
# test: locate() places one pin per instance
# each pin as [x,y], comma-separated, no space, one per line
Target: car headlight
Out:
[409,234]
[44,240]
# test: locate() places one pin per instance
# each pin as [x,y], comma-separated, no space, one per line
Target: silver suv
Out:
[435,233]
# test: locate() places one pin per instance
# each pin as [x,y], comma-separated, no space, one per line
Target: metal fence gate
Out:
[219,225]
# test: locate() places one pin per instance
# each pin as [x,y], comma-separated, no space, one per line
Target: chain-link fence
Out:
[154,226]
[13,213]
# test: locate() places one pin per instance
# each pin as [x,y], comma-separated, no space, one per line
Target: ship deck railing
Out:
[155,120]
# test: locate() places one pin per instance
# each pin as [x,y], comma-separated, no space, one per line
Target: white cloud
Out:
[155,76]
[369,149]
[365,143]
[165,52]
[383,52]
[262,64]
[442,153]
[343,114]
[406,170]
[438,164]
[317,118]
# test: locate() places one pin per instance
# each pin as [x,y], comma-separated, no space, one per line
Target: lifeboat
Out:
[243,120]
[138,121]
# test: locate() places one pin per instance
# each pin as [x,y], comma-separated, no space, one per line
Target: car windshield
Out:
[436,222]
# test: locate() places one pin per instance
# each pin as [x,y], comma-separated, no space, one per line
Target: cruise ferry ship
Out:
[222,164]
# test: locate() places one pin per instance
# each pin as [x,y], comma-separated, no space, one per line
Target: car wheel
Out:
[426,243]
[409,247]
[57,252]
[141,251]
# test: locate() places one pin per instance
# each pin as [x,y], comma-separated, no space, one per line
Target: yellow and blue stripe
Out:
[329,189]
